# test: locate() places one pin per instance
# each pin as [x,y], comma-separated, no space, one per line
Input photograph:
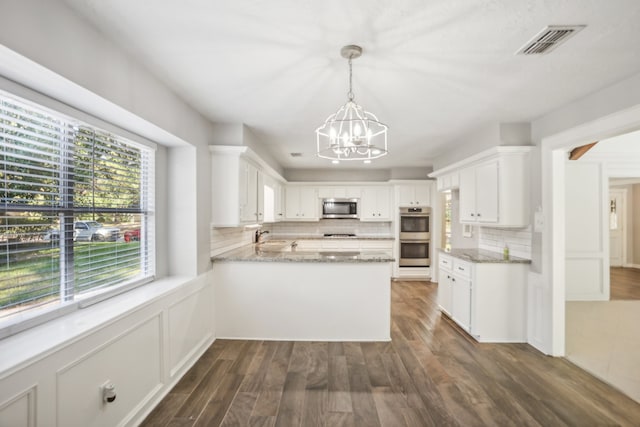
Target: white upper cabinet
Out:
[340,192]
[375,204]
[271,208]
[251,193]
[301,203]
[418,194]
[237,184]
[479,193]
[494,187]
[449,181]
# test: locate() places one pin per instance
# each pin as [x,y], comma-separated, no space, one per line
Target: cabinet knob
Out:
[473,214]
[478,214]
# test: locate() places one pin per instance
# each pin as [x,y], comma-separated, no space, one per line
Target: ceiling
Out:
[431,70]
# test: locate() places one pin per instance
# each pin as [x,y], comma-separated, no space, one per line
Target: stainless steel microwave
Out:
[339,208]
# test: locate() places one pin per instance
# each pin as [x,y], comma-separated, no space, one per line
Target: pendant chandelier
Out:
[351,133]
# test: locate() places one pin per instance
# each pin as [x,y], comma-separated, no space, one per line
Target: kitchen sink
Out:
[274,245]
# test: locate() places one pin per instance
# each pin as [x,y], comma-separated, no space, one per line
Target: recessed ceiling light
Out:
[335,162]
[367,161]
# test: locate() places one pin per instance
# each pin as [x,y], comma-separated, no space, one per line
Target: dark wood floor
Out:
[625,283]
[430,374]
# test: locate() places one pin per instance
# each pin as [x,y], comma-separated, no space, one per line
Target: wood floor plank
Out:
[625,283]
[377,374]
[338,377]
[261,421]
[220,402]
[340,419]
[165,410]
[271,393]
[430,374]
[200,396]
[259,368]
[240,410]
[389,406]
[364,407]
[291,404]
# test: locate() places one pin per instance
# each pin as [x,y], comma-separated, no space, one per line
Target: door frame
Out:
[622,213]
[554,150]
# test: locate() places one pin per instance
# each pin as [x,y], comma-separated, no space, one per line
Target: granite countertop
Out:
[285,253]
[484,256]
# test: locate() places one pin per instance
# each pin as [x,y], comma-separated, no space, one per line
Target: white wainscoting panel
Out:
[20,410]
[536,310]
[128,340]
[586,231]
[190,321]
[135,374]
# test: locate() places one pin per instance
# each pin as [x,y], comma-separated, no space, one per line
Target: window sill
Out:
[35,343]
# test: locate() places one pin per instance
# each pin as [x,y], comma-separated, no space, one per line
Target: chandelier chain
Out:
[350,94]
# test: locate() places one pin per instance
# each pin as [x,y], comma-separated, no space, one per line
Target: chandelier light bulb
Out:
[356,130]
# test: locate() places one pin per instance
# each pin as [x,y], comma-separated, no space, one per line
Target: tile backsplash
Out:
[494,239]
[342,226]
[225,239]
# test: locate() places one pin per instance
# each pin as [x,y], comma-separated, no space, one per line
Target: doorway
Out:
[601,336]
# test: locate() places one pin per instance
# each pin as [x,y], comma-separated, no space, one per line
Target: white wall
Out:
[145,339]
[482,138]
[544,302]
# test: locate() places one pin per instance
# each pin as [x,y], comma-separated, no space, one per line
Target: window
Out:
[76,210]
[446,230]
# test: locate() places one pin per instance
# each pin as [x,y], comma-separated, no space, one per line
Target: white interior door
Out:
[617,228]
[586,228]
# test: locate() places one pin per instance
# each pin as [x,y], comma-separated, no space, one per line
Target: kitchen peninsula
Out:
[274,291]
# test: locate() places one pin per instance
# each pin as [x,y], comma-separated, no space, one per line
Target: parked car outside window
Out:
[88,231]
[132,235]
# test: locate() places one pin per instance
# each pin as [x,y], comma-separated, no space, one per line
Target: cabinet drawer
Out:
[445,262]
[462,268]
[376,244]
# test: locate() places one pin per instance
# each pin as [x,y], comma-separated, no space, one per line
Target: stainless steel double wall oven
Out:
[415,237]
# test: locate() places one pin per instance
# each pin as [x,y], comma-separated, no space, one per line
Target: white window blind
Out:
[76,209]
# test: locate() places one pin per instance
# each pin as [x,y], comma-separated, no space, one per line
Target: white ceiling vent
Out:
[296,154]
[548,39]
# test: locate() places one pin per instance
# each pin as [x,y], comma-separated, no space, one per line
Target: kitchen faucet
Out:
[259,234]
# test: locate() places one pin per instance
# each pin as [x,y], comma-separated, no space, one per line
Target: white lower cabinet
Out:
[487,300]
[445,284]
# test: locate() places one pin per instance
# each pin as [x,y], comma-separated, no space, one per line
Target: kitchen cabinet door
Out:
[248,192]
[468,195]
[278,204]
[487,192]
[375,204]
[418,194]
[445,291]
[301,203]
[309,203]
[461,302]
[479,193]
